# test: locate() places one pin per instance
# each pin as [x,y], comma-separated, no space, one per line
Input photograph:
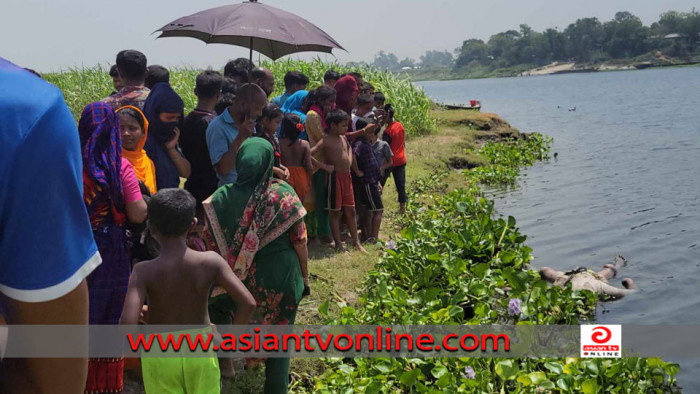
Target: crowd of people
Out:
[263,176]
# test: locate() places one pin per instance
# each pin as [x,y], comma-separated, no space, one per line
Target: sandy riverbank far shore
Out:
[572,67]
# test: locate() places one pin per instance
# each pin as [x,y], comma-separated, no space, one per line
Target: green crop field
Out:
[82,86]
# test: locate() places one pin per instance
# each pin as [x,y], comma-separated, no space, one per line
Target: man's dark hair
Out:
[114,71]
[156,74]
[132,65]
[336,116]
[258,73]
[238,68]
[225,101]
[361,123]
[229,85]
[171,211]
[389,111]
[367,86]
[208,84]
[295,78]
[331,75]
[364,99]
[247,93]
[356,75]
[379,96]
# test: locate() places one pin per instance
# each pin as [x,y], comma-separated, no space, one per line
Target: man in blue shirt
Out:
[227,132]
[46,244]
[294,81]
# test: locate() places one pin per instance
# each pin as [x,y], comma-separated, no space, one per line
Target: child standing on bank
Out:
[395,136]
[177,284]
[366,169]
[296,155]
[338,153]
[382,151]
[267,128]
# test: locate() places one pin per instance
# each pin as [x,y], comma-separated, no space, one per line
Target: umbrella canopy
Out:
[265,29]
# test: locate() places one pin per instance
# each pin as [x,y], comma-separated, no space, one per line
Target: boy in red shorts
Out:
[338,154]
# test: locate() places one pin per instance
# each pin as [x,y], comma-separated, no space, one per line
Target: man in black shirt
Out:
[193,138]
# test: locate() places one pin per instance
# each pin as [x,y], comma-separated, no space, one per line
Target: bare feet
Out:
[341,248]
[629,284]
[620,261]
[359,247]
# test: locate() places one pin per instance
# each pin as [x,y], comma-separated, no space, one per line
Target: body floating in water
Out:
[585,279]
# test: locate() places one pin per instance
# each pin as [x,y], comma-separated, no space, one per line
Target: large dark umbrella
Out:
[268,30]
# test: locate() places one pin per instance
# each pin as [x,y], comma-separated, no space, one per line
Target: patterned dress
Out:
[103,195]
[254,224]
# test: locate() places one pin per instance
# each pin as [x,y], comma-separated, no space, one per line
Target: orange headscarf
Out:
[143,165]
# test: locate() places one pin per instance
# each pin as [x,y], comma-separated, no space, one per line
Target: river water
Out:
[626,181]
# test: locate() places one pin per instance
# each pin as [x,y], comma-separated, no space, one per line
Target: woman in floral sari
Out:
[257,225]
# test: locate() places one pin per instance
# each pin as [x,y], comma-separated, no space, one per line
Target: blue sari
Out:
[293,105]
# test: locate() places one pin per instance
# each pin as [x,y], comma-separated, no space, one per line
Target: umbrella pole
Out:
[250,80]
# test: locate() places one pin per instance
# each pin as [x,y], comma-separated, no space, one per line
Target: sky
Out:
[50,35]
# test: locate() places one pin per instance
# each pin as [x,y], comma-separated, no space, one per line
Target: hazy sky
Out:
[49,35]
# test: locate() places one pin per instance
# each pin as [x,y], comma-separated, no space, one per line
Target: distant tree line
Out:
[675,34]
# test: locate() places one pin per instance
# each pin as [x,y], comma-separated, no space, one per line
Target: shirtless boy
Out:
[337,153]
[177,284]
[597,282]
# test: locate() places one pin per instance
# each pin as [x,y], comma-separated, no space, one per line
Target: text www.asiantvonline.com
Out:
[383,340]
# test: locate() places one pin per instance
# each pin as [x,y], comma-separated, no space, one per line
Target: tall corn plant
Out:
[411,103]
[83,86]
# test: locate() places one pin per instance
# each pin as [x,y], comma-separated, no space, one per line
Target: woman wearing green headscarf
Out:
[257,225]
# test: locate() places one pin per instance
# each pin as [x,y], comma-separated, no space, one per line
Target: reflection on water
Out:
[626,180]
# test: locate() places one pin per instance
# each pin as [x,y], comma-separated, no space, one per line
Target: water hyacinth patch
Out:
[514,307]
[507,158]
[469,373]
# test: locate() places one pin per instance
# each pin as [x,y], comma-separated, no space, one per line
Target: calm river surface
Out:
[626,181]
